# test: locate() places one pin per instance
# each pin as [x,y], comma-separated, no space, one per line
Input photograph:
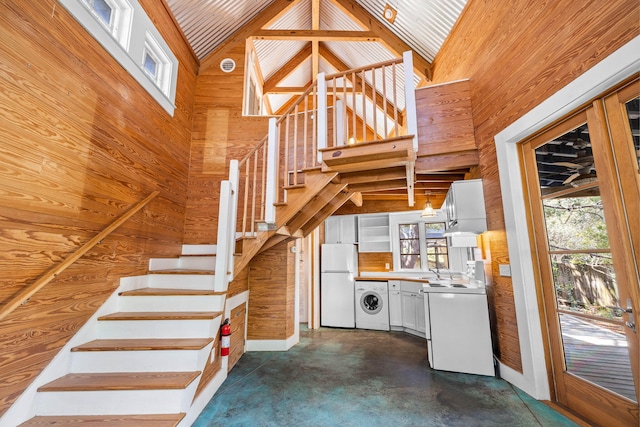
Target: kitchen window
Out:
[422,246]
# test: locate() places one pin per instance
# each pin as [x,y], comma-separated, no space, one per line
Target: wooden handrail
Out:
[30,290]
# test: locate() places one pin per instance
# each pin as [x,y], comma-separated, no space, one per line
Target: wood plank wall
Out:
[80,142]
[516,54]
[220,134]
[271,294]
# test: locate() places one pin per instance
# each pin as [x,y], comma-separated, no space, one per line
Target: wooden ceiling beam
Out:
[439,177]
[317,35]
[337,63]
[297,60]
[271,13]
[392,42]
[315,26]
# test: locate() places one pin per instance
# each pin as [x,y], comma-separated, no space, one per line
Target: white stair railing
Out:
[226,239]
[364,105]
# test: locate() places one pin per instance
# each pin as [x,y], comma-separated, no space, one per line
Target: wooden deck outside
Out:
[597,355]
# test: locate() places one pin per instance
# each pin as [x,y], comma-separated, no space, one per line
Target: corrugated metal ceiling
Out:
[422,24]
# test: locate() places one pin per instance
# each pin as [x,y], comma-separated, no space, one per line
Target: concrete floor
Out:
[341,377]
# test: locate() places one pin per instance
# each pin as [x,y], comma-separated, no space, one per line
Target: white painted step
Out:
[151,327]
[140,356]
[199,249]
[161,299]
[181,280]
[115,399]
[201,262]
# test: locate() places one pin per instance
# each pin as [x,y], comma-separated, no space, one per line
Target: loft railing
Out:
[363,105]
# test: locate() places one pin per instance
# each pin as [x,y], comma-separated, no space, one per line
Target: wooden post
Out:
[322,114]
[272,173]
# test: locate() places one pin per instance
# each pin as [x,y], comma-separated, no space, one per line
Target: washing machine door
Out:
[371,302]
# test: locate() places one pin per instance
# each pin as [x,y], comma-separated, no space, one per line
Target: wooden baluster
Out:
[304,132]
[314,129]
[384,101]
[253,193]
[246,199]
[374,104]
[295,144]
[285,160]
[364,106]
[395,101]
[263,189]
[353,105]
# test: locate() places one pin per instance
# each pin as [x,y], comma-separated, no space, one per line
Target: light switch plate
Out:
[505,270]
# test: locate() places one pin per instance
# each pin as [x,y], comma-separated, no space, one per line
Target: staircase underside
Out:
[346,173]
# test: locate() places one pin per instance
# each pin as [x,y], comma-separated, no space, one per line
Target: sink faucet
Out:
[437,271]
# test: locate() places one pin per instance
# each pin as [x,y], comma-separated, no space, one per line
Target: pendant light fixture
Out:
[428,211]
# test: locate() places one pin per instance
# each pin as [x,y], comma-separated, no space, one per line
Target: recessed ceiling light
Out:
[389,13]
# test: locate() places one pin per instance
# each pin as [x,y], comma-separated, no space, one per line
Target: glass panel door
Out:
[583,182]
[583,274]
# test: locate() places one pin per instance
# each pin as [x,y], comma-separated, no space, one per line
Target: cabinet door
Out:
[395,308]
[409,310]
[421,324]
[340,229]
[348,229]
[332,230]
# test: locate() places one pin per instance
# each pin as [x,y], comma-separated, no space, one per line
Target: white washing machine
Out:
[372,305]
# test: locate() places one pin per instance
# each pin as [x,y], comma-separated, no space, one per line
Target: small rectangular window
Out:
[156,63]
[103,10]
[409,246]
[437,252]
[150,65]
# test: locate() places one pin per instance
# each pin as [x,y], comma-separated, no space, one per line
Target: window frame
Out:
[135,32]
[396,219]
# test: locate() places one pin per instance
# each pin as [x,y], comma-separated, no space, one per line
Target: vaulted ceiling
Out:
[293,40]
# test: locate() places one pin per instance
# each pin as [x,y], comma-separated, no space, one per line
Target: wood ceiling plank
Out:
[392,42]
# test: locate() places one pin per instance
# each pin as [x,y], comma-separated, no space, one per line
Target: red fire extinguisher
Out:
[225,334]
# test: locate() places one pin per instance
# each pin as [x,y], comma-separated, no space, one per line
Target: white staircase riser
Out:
[114,402]
[199,249]
[172,303]
[182,281]
[124,329]
[139,360]
[185,262]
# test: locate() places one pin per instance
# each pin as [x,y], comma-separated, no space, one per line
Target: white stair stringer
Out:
[153,318]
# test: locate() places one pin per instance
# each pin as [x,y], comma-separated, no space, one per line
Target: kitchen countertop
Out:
[427,284]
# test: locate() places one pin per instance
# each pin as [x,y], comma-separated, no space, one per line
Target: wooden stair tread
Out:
[121,381]
[161,315]
[182,271]
[144,344]
[154,420]
[169,292]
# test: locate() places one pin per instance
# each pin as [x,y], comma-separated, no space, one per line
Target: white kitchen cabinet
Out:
[464,207]
[373,233]
[413,314]
[395,304]
[340,229]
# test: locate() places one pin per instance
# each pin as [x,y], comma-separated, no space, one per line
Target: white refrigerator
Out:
[338,269]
